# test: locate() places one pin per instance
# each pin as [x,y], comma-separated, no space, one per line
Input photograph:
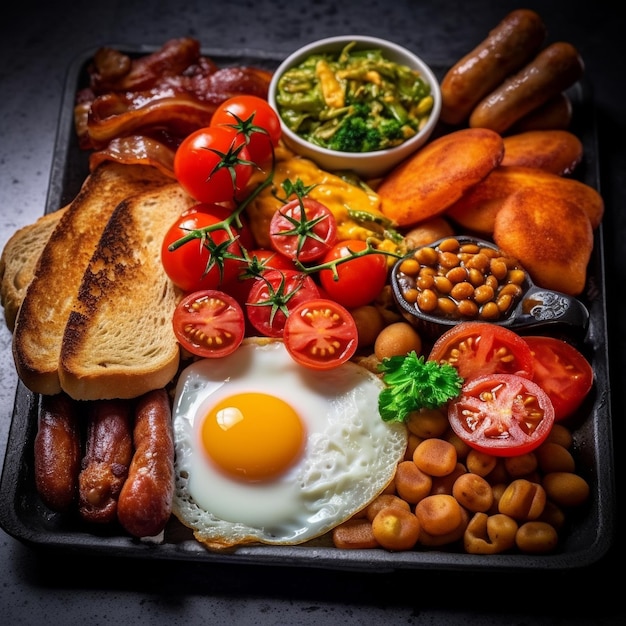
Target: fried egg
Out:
[268,451]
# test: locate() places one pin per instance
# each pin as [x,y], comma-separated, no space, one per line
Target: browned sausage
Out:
[145,504]
[507,48]
[57,452]
[553,70]
[108,453]
[555,114]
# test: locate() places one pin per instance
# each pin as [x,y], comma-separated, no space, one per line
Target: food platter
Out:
[587,538]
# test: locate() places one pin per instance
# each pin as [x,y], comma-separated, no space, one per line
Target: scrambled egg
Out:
[356,208]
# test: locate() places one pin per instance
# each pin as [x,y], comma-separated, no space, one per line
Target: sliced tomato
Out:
[562,372]
[320,334]
[359,280]
[501,414]
[480,348]
[304,235]
[274,296]
[209,323]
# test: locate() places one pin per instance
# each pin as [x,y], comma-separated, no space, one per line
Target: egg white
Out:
[350,454]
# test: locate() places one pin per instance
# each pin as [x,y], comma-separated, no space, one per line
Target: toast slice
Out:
[119,341]
[19,260]
[49,298]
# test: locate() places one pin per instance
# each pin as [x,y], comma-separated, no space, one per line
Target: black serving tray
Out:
[590,530]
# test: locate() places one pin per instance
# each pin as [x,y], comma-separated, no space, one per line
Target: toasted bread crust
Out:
[50,295]
[119,341]
[19,261]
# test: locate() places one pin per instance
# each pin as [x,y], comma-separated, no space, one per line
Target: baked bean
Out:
[480,463]
[489,534]
[562,435]
[473,492]
[412,484]
[553,515]
[497,490]
[553,457]
[498,474]
[397,339]
[427,423]
[436,457]
[465,280]
[523,500]
[566,488]
[354,534]
[462,449]
[444,484]
[520,465]
[383,501]
[439,514]
[433,541]
[412,443]
[369,323]
[395,528]
[536,537]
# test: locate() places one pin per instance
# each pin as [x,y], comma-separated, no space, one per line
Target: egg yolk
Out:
[253,436]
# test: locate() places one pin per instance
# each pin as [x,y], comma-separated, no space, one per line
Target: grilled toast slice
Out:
[50,296]
[119,340]
[19,260]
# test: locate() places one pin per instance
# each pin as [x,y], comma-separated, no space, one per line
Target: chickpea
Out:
[432,541]
[354,534]
[436,457]
[566,488]
[397,339]
[369,323]
[520,465]
[412,484]
[439,514]
[536,537]
[427,423]
[523,500]
[553,457]
[473,492]
[489,534]
[480,463]
[395,528]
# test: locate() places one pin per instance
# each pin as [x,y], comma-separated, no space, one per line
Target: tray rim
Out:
[304,555]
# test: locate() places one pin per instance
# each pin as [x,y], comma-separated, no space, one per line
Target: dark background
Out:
[38,42]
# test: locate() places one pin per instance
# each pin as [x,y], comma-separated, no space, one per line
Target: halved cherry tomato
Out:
[210,164]
[304,235]
[255,119]
[209,323]
[274,296]
[196,265]
[479,348]
[562,372]
[361,279]
[320,334]
[501,414]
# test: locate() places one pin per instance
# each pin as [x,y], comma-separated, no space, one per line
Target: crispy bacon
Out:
[131,104]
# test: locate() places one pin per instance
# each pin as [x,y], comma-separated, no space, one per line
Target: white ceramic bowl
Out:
[365,164]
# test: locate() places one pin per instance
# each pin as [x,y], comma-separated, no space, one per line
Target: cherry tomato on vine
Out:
[501,414]
[209,323]
[195,265]
[256,119]
[274,296]
[320,334]
[306,235]
[479,348]
[562,372]
[212,164]
[360,279]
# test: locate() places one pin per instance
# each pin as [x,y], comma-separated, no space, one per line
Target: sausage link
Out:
[145,504]
[108,453]
[553,70]
[555,114]
[507,48]
[57,452]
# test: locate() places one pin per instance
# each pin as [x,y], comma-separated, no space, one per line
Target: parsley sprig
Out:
[413,384]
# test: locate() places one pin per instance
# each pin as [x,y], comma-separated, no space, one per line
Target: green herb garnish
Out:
[413,384]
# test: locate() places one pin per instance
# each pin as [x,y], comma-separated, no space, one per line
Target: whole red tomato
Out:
[255,119]
[359,279]
[213,164]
